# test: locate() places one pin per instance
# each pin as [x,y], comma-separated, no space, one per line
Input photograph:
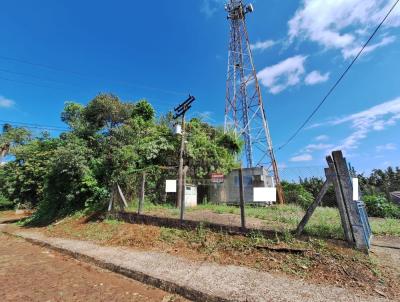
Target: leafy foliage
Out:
[379,206]
[109,142]
[381,181]
[314,186]
[297,194]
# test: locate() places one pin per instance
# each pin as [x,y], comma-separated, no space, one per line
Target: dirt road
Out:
[32,273]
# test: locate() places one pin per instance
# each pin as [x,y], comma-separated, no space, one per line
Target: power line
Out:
[34,126]
[37,128]
[27,83]
[340,79]
[31,76]
[75,73]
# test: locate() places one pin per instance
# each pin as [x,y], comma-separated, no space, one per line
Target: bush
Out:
[379,206]
[70,185]
[5,204]
[297,194]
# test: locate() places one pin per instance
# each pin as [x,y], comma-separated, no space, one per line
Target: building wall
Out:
[229,191]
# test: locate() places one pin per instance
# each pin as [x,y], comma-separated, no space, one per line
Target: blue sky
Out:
[57,51]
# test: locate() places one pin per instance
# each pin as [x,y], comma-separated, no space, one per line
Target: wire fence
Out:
[221,199]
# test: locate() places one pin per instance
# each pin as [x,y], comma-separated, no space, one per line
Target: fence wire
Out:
[149,192]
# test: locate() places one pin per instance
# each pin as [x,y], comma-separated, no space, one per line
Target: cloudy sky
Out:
[163,50]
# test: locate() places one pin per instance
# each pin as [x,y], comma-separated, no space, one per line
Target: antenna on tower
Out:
[244,111]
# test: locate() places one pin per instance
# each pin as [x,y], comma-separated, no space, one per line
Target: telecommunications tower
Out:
[244,111]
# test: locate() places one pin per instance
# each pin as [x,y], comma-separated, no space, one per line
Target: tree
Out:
[12,137]
[22,179]
[109,142]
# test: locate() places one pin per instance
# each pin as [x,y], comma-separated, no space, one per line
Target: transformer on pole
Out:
[244,111]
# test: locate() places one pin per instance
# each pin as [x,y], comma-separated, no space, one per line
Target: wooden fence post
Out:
[313,206]
[344,216]
[241,195]
[350,204]
[142,194]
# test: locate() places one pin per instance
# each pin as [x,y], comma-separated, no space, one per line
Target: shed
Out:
[228,190]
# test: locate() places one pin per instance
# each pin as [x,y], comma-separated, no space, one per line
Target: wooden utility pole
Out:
[183,193]
[180,111]
[180,169]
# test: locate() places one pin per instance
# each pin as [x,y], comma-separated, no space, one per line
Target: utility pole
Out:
[244,112]
[180,111]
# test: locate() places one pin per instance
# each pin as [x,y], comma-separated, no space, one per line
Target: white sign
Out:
[170,186]
[356,189]
[264,194]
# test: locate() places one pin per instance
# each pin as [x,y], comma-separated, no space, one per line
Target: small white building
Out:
[190,192]
[190,196]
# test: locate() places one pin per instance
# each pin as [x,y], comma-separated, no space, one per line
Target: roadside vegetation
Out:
[110,142]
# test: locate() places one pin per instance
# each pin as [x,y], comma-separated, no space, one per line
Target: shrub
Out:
[70,185]
[5,204]
[379,206]
[297,194]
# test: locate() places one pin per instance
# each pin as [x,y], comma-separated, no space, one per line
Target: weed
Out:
[256,238]
[113,221]
[288,237]
[170,235]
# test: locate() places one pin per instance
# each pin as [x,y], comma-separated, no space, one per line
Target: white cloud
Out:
[342,24]
[376,118]
[386,147]
[315,77]
[317,147]
[262,45]
[6,103]
[283,75]
[210,7]
[282,165]
[352,52]
[322,138]
[301,158]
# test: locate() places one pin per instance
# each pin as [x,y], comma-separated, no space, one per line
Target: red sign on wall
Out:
[217,178]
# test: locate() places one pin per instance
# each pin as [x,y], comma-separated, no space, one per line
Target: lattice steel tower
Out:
[244,112]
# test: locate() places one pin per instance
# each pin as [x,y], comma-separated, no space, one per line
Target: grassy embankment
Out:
[325,222]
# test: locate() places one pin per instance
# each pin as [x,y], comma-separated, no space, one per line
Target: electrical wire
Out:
[26,83]
[31,76]
[37,128]
[33,126]
[123,83]
[339,80]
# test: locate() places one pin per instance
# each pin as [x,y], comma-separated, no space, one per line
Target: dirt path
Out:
[32,273]
[387,250]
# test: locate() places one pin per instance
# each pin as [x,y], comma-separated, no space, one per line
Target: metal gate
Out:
[362,211]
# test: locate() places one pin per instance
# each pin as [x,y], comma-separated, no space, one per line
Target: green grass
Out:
[151,207]
[325,222]
[385,226]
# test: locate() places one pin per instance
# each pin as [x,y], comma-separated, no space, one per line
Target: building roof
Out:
[396,196]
